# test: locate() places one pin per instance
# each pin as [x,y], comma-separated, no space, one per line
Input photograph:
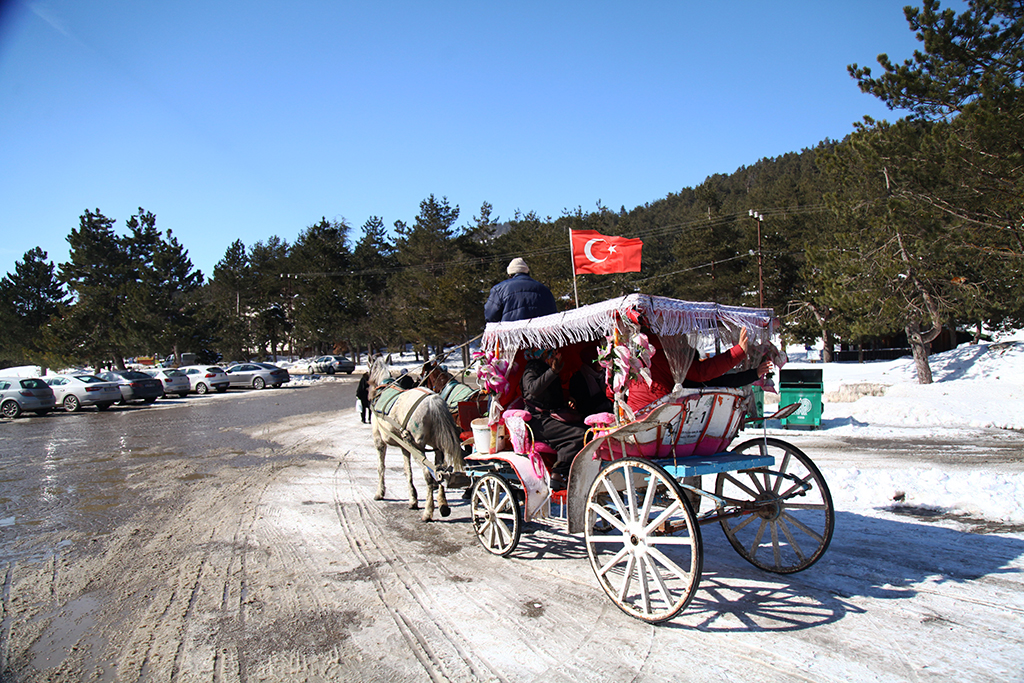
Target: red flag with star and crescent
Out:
[599,254]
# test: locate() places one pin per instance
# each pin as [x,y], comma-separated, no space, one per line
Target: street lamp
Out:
[758,218]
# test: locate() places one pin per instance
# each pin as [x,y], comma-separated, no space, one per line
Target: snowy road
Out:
[283,568]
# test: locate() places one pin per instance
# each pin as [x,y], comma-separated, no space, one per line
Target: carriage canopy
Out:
[628,331]
[702,323]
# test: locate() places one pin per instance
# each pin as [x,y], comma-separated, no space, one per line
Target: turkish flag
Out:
[600,254]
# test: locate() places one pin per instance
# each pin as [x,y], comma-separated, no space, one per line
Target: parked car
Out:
[18,394]
[79,390]
[330,365]
[174,381]
[135,385]
[257,375]
[202,378]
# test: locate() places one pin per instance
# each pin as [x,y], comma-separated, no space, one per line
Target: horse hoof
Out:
[378,496]
[414,506]
[445,511]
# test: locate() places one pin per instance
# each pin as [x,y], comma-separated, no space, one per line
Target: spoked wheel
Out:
[790,519]
[258,383]
[496,516]
[643,540]
[71,403]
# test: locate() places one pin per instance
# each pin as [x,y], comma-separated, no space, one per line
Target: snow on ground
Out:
[976,388]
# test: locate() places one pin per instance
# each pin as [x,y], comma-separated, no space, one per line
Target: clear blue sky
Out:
[242,120]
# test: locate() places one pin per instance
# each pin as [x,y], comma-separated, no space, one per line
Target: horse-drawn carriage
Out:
[635,489]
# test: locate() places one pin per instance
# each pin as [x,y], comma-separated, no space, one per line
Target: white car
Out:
[79,390]
[174,380]
[203,378]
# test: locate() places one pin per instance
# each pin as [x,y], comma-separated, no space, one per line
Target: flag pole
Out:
[572,262]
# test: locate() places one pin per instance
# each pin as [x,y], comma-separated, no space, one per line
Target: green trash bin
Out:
[803,386]
[758,402]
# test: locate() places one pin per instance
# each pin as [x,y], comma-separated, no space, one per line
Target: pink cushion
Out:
[543,448]
[523,414]
[600,419]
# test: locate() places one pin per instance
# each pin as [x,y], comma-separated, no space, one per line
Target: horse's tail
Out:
[447,435]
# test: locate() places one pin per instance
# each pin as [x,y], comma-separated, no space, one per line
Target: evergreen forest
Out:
[899,231]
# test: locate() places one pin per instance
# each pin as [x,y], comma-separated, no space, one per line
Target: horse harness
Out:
[382,406]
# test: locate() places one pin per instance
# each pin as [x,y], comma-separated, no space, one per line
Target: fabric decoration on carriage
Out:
[624,325]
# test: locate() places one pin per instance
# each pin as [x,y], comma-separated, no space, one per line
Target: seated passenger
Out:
[701,372]
[551,420]
[587,386]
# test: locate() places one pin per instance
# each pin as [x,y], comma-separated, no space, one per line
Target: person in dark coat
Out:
[520,297]
[551,419]
[363,394]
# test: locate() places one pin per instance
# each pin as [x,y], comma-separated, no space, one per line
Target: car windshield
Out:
[90,379]
[214,369]
[174,373]
[131,374]
[33,384]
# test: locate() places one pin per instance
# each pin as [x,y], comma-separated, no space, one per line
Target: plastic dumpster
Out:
[803,386]
[758,402]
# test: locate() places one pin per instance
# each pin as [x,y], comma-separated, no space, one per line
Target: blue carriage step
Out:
[697,465]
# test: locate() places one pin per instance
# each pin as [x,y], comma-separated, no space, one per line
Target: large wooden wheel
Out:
[643,540]
[497,519]
[787,516]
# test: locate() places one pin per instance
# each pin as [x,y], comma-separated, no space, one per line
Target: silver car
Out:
[174,380]
[134,385]
[257,375]
[330,365]
[18,394]
[77,391]
[202,378]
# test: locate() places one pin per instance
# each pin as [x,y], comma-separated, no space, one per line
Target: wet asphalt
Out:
[83,472]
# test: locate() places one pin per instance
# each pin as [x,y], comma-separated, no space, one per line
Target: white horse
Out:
[415,420]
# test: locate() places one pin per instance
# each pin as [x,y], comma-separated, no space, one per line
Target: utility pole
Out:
[758,218]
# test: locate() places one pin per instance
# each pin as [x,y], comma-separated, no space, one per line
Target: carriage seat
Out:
[522,437]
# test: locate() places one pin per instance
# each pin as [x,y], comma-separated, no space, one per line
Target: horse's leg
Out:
[442,501]
[428,508]
[414,503]
[382,449]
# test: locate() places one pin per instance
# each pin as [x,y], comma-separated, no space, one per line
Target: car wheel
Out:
[277,386]
[201,388]
[258,383]
[71,404]
[221,390]
[348,372]
[330,371]
[104,406]
[10,409]
[42,412]
[185,395]
[151,399]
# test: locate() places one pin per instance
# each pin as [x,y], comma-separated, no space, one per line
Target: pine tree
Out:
[98,276]
[29,300]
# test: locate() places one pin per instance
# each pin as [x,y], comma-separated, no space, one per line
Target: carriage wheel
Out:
[791,517]
[643,540]
[496,516]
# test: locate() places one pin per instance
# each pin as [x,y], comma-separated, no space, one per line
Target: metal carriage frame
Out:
[640,512]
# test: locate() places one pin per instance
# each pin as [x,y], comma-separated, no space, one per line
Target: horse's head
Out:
[380,374]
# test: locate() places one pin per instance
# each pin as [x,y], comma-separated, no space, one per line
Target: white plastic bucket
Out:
[486,439]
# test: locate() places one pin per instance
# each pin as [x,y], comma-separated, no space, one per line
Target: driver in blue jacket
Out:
[519,297]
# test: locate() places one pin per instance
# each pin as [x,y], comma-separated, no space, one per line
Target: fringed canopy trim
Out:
[663,316]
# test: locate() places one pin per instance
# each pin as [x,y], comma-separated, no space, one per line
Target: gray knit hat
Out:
[517,265]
